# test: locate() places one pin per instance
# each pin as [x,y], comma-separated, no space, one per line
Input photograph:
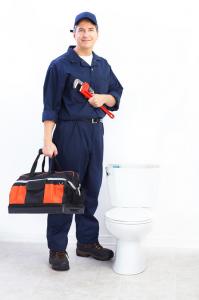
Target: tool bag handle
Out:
[53,164]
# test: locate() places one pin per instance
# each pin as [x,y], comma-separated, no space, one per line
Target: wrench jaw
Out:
[77,84]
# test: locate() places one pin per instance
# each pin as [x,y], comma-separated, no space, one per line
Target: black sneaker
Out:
[94,250]
[59,260]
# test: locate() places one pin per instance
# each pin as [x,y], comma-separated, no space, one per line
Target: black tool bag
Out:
[53,192]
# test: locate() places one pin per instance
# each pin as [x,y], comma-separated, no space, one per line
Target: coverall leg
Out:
[80,148]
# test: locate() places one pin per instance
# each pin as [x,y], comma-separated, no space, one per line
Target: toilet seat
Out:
[129,215]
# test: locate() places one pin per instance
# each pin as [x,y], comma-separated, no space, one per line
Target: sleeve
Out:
[52,93]
[115,89]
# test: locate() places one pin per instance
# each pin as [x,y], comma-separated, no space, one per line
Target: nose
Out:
[86,33]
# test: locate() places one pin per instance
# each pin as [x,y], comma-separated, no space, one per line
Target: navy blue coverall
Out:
[78,140]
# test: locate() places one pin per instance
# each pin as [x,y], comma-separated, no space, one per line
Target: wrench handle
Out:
[107,111]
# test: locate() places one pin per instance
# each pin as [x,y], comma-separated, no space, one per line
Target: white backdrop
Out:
[153,47]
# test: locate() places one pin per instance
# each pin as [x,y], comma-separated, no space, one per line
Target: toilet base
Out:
[129,258]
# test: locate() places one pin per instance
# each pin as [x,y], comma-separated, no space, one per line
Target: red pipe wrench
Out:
[85,89]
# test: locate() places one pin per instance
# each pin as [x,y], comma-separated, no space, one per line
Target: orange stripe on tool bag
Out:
[53,193]
[17,194]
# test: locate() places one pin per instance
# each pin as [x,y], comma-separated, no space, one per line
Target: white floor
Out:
[172,274]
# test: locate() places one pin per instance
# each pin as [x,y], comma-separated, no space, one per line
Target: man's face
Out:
[85,34]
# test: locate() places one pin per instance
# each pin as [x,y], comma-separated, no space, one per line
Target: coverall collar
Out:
[74,57]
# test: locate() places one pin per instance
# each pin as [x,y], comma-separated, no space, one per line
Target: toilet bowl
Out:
[132,191]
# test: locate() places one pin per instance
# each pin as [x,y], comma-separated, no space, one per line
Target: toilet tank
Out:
[132,185]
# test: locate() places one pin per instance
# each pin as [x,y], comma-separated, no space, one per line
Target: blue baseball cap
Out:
[85,15]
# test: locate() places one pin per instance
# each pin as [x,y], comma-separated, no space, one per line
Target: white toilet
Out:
[133,192]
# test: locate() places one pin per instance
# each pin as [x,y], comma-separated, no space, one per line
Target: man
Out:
[78,136]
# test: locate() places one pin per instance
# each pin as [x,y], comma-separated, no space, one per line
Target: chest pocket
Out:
[101,80]
[73,95]
[102,86]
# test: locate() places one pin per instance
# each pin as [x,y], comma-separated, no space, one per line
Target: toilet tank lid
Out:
[131,165]
[130,214]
